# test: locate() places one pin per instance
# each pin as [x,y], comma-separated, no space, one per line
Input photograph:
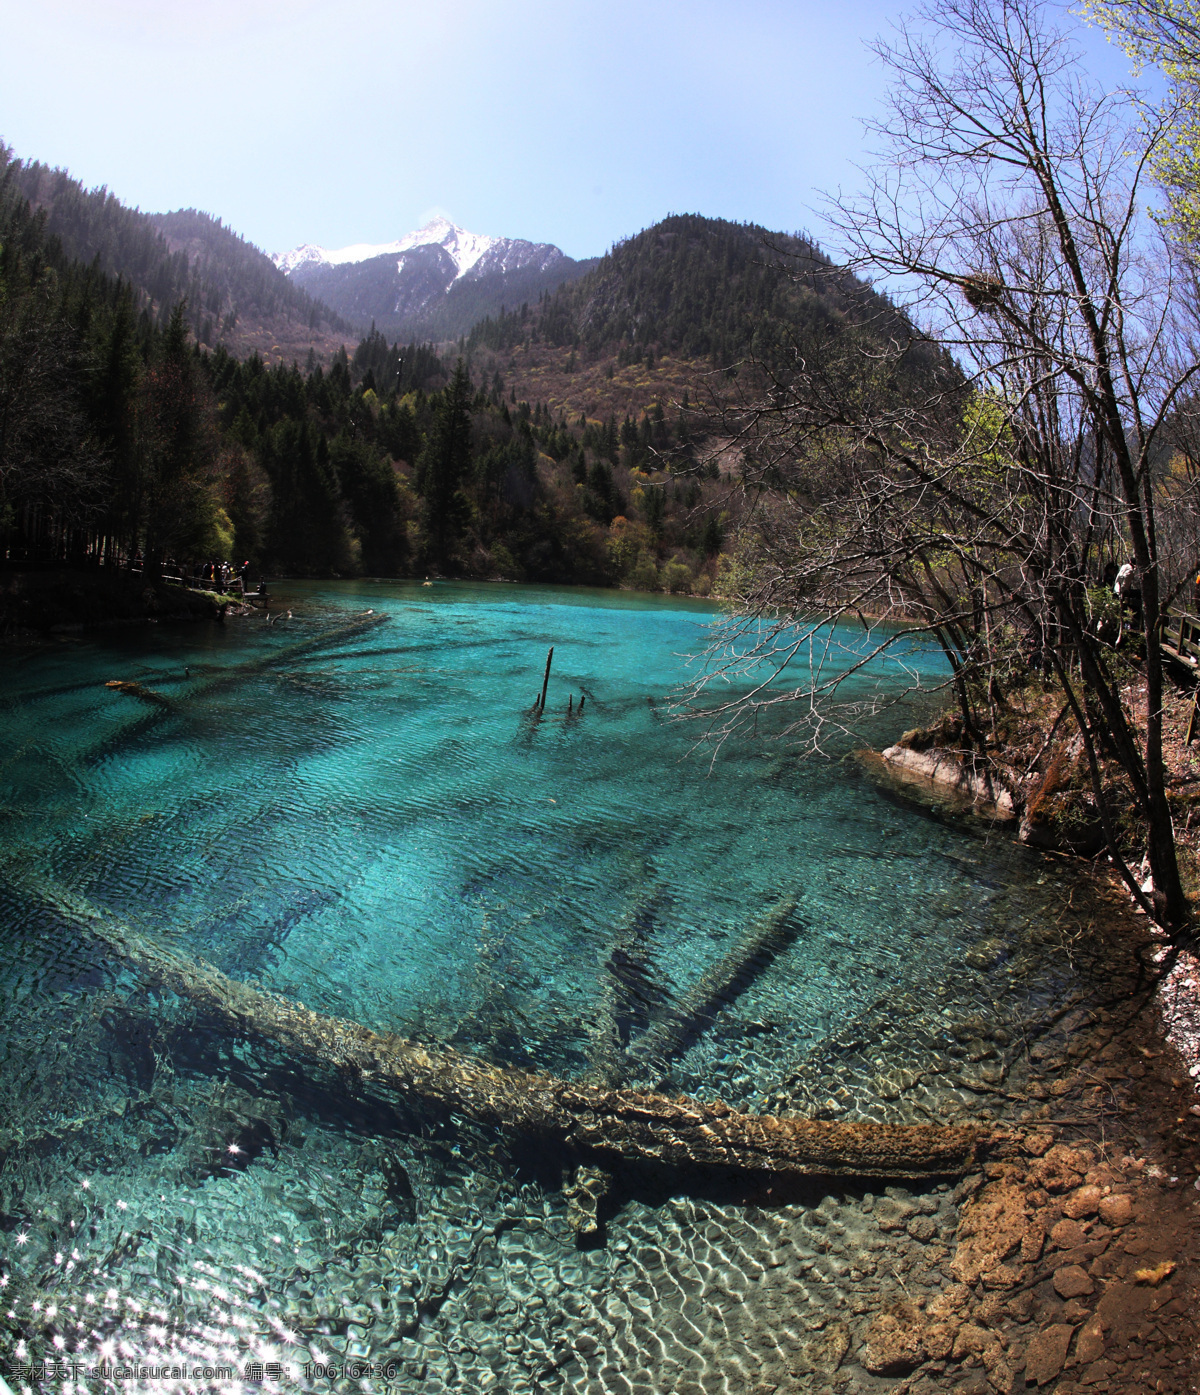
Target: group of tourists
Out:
[221,575]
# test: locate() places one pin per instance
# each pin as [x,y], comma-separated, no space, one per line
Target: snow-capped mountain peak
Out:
[407,286]
[305,255]
[464,248]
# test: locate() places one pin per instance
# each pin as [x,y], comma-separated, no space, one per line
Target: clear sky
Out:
[576,122]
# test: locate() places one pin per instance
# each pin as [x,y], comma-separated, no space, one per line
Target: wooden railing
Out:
[1179,638]
[1179,641]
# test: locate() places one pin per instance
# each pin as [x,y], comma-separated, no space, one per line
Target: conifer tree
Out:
[445,463]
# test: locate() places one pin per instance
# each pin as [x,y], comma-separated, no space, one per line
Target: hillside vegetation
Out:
[556,441]
[234,294]
[678,308]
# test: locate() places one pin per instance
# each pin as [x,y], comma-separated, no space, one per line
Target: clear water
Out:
[381,829]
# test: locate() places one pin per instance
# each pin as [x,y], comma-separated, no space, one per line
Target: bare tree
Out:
[975,480]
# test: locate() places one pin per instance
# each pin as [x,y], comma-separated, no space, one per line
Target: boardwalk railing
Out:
[1179,641]
[1179,638]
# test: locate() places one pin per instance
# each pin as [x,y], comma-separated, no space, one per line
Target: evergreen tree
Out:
[178,442]
[307,532]
[369,488]
[113,408]
[445,463]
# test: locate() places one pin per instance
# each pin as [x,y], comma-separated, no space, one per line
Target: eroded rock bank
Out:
[1030,773]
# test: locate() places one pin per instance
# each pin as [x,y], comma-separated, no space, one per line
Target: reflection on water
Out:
[368,819]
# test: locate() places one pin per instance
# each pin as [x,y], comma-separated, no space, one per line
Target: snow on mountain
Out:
[440,279]
[465,248]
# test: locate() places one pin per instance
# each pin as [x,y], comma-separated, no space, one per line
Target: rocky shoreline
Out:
[1072,1271]
[1031,778]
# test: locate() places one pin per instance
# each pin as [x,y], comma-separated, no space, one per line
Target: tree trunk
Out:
[608,1124]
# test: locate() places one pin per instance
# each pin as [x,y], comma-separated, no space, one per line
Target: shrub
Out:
[676,576]
[643,575]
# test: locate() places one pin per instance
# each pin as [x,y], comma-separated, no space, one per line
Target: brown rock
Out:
[1000,1376]
[825,1353]
[1116,1210]
[1161,1298]
[1089,1345]
[949,1304]
[970,1340]
[991,1228]
[891,1214]
[1083,1202]
[922,1228]
[1034,1240]
[1047,1352]
[1121,1307]
[939,1340]
[1020,1306]
[1003,1276]
[1066,1235]
[1071,1281]
[1081,1254]
[1060,1170]
[1098,1371]
[894,1343]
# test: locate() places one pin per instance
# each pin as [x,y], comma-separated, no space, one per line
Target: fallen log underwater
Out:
[165,707]
[673,1024]
[695,1011]
[627,990]
[607,1125]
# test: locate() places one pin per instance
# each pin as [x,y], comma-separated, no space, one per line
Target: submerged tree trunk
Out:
[608,1124]
[223,678]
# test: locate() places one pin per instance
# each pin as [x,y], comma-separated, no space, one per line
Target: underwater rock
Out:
[992,1229]
[1116,1210]
[826,1352]
[893,1214]
[1071,1281]
[1047,1353]
[584,1190]
[986,954]
[1083,1202]
[894,1342]
[1090,1345]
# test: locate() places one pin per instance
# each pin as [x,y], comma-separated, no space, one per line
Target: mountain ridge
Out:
[435,282]
[235,294]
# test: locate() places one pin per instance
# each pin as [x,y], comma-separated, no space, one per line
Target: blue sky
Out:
[576,122]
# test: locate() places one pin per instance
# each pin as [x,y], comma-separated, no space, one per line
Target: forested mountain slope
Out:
[557,441]
[235,294]
[671,310]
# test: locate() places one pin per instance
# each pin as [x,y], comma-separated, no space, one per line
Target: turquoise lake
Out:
[381,828]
